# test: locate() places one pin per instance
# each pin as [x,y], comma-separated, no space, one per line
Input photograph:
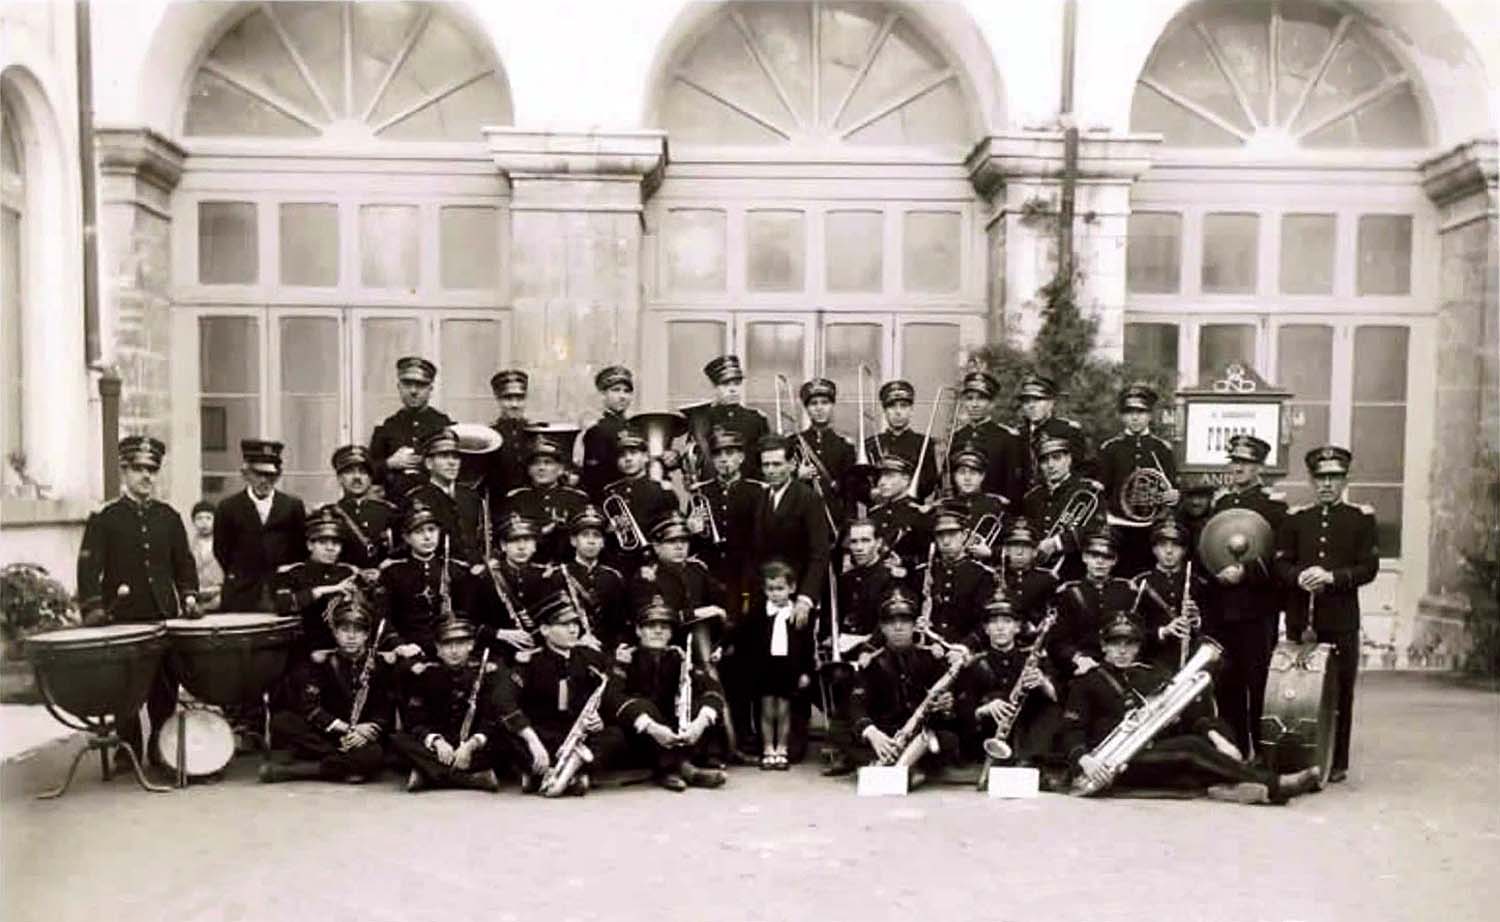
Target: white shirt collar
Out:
[262,506]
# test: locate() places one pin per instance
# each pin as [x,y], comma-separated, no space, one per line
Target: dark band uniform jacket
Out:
[1004,452]
[605,596]
[437,698]
[549,508]
[992,676]
[1127,452]
[1342,539]
[503,469]
[1096,703]
[683,587]
[1028,592]
[328,681]
[378,523]
[959,590]
[1083,608]
[1043,505]
[552,689]
[648,501]
[1161,602]
[861,590]
[404,428]
[649,682]
[601,454]
[906,444]
[292,593]
[414,599]
[459,513]
[890,687]
[796,530]
[1258,596]
[250,552]
[141,548]
[1057,427]
[906,531]
[837,456]
[735,507]
[751,426]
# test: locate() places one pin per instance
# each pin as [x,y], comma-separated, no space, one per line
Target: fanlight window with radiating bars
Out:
[348,71]
[776,73]
[1276,76]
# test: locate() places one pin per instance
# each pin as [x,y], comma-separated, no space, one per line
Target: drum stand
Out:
[102,736]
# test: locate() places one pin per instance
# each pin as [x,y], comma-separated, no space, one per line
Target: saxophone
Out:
[467,726]
[913,740]
[1142,723]
[996,746]
[573,754]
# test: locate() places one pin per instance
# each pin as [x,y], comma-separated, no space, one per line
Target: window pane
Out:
[1151,111]
[1380,364]
[690,344]
[1221,344]
[382,341]
[1152,346]
[1241,34]
[469,247]
[228,249]
[1230,243]
[855,243]
[1305,360]
[772,348]
[721,62]
[309,245]
[929,360]
[1384,254]
[1378,440]
[930,251]
[1181,62]
[10,333]
[845,347]
[317,31]
[693,242]
[217,107]
[229,384]
[1153,252]
[388,246]
[310,402]
[1387,503]
[775,250]
[470,354]
[1307,254]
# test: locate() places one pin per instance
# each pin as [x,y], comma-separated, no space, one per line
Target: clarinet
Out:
[468,724]
[363,694]
[445,589]
[685,690]
[997,747]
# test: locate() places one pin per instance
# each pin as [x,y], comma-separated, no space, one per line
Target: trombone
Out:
[622,522]
[804,451]
[916,477]
[984,531]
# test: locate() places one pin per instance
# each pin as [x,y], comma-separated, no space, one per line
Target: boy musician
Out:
[893,684]
[416,602]
[902,525]
[598,590]
[1051,506]
[727,375]
[369,524]
[985,688]
[396,443]
[616,388]
[1135,448]
[899,439]
[650,703]
[1038,399]
[546,501]
[955,585]
[513,586]
[1083,605]
[968,469]
[302,590]
[1028,587]
[555,680]
[1193,751]
[647,499]
[329,739]
[458,509]
[1172,611]
[998,445]
[436,706]
[835,453]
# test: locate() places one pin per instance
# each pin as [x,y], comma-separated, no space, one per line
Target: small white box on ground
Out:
[882,781]
[1014,782]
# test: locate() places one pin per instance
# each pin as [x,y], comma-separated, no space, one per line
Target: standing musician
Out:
[555,680]
[321,727]
[368,524]
[1192,751]
[651,692]
[616,388]
[1170,609]
[302,590]
[835,453]
[257,530]
[723,522]
[524,583]
[1247,599]
[547,501]
[505,468]
[1194,510]
[458,508]
[999,445]
[396,443]
[903,525]
[1049,505]
[134,566]
[1136,448]
[968,468]
[955,586]
[1002,683]
[602,594]
[1084,606]
[683,581]
[891,686]
[729,412]
[417,600]
[646,499]
[861,588]
[1038,399]
[443,743]
[1028,587]
[1326,551]
[899,440]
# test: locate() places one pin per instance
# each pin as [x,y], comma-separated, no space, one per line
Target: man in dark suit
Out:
[396,443]
[258,530]
[1327,551]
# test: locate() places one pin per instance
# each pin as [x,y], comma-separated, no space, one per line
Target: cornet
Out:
[701,506]
[622,522]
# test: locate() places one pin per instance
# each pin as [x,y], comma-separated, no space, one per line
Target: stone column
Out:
[577,201]
[1021,174]
[138,170]
[1462,183]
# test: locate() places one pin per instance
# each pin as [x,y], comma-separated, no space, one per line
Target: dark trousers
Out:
[1189,761]
[948,752]
[426,763]
[1240,686]
[1033,737]
[1346,662]
[737,674]
[293,732]
[606,746]
[840,728]
[161,703]
[663,760]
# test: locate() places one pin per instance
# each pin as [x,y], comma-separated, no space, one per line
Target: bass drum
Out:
[1300,709]
[207,742]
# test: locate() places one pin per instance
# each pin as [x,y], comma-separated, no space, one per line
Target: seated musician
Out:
[344,708]
[958,586]
[416,600]
[599,587]
[1001,671]
[646,499]
[1029,587]
[456,712]
[860,591]
[1082,605]
[666,730]
[1192,751]
[554,683]
[302,590]
[514,585]
[969,466]
[891,687]
[902,524]
[1172,616]
[1063,505]
[683,581]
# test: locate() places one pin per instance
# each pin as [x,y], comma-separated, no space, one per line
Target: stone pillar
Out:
[577,202]
[1021,174]
[138,170]
[1462,183]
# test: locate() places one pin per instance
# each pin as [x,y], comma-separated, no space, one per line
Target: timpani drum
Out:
[1300,708]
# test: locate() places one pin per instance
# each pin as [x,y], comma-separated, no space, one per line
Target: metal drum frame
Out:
[1281,735]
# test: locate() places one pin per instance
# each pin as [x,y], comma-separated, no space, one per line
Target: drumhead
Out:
[249,622]
[209,741]
[98,635]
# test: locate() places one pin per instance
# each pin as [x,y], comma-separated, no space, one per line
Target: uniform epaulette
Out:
[288,567]
[752,481]
[524,656]
[419,668]
[1008,428]
[1068,584]
[1278,495]
[1300,508]
[569,489]
[391,561]
[415,488]
[107,503]
[1003,500]
[1220,493]
[1111,440]
[1092,484]
[983,566]
[475,570]
[697,561]
[320,656]
[384,502]
[515,491]
[700,484]
[1366,508]
[614,483]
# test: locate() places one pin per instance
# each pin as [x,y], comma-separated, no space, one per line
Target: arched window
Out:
[12,285]
[1276,76]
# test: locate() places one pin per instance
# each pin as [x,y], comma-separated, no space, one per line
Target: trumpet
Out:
[985,530]
[701,506]
[622,522]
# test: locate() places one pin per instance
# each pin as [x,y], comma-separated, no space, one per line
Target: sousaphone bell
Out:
[659,429]
[476,438]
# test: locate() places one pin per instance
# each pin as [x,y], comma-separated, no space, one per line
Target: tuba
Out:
[476,438]
[660,429]
[563,435]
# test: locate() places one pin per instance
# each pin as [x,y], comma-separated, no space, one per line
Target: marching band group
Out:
[475,603]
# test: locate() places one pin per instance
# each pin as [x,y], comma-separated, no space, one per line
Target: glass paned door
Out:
[229,396]
[772,344]
[380,338]
[309,362]
[851,340]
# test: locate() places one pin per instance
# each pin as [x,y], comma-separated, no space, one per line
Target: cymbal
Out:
[1234,536]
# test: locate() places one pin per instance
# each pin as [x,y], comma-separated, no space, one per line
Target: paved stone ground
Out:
[1415,834]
